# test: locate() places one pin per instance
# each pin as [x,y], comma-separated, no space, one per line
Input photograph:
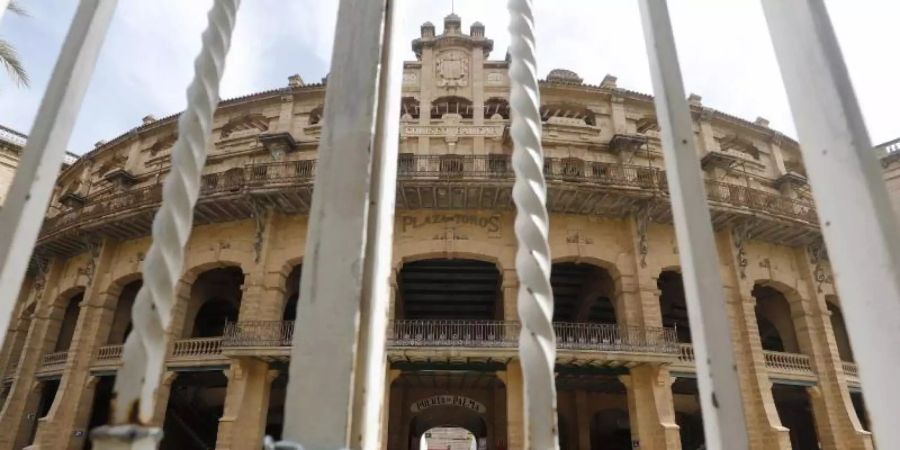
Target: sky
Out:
[147,60]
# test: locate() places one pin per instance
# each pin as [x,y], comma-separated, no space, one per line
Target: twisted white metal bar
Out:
[717,377]
[144,351]
[537,341]
[858,223]
[26,202]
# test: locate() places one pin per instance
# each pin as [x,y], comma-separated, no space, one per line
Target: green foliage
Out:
[9,58]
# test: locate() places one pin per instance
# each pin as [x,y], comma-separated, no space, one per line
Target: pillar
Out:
[837,425]
[20,410]
[583,419]
[515,407]
[650,408]
[510,288]
[243,422]
[390,408]
[65,425]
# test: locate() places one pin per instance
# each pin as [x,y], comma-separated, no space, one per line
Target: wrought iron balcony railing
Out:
[277,175]
[474,334]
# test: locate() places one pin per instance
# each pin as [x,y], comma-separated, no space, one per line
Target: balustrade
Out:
[686,353]
[109,353]
[54,359]
[198,348]
[258,334]
[850,369]
[788,362]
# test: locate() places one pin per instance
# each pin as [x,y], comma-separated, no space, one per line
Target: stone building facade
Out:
[11,143]
[626,376]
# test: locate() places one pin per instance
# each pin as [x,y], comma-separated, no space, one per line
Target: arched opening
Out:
[795,411]
[275,413]
[121,324]
[409,108]
[610,430]
[68,323]
[496,108]
[451,105]
[774,320]
[859,406]
[315,116]
[592,406]
[100,411]
[46,396]
[841,338]
[448,289]
[196,403]
[448,438]
[582,293]
[688,414]
[456,409]
[673,305]
[18,343]
[215,299]
[291,294]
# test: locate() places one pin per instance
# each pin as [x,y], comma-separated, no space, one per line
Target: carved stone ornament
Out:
[818,254]
[452,69]
[642,219]
[741,234]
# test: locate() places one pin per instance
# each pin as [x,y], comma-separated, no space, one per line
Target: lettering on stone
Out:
[451,130]
[448,400]
[489,223]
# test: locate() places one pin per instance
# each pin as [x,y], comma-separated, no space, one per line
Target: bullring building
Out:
[625,367]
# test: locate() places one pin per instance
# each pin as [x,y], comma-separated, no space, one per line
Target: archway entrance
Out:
[456,410]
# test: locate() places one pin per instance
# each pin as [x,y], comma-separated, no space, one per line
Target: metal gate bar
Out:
[717,377]
[855,214]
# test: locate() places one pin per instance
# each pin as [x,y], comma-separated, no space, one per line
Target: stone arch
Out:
[67,313]
[247,124]
[502,257]
[122,298]
[613,280]
[409,107]
[188,303]
[451,104]
[777,306]
[496,107]
[316,115]
[673,303]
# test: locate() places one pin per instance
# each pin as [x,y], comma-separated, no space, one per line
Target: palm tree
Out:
[9,58]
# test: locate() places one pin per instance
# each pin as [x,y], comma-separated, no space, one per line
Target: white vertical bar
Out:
[143,355]
[537,340]
[857,221]
[717,378]
[372,359]
[324,363]
[26,202]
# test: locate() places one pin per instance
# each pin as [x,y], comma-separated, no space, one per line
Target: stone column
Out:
[515,407]
[391,406]
[20,410]
[71,409]
[764,426]
[583,419]
[510,288]
[837,424]
[243,423]
[650,410]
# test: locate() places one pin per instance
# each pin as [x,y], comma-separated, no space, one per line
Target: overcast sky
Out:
[146,62]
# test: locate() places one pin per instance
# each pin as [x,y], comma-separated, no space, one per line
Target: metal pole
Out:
[858,223]
[26,202]
[537,340]
[144,352]
[326,369]
[720,395]
[369,398]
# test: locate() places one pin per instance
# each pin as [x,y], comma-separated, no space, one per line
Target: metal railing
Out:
[198,348]
[473,334]
[433,167]
[258,333]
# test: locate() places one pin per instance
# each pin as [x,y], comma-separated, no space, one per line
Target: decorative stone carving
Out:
[642,219]
[818,254]
[626,143]
[741,234]
[452,69]
[564,76]
[245,125]
[278,144]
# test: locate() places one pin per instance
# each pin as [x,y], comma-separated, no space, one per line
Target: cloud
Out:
[147,60]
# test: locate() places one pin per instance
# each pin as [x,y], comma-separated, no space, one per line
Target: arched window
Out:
[409,107]
[451,105]
[568,115]
[496,108]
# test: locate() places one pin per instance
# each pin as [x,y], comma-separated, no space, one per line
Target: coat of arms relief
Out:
[452,69]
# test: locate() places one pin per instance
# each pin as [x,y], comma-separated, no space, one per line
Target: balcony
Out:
[197,351]
[851,373]
[52,364]
[780,365]
[575,186]
[446,341]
